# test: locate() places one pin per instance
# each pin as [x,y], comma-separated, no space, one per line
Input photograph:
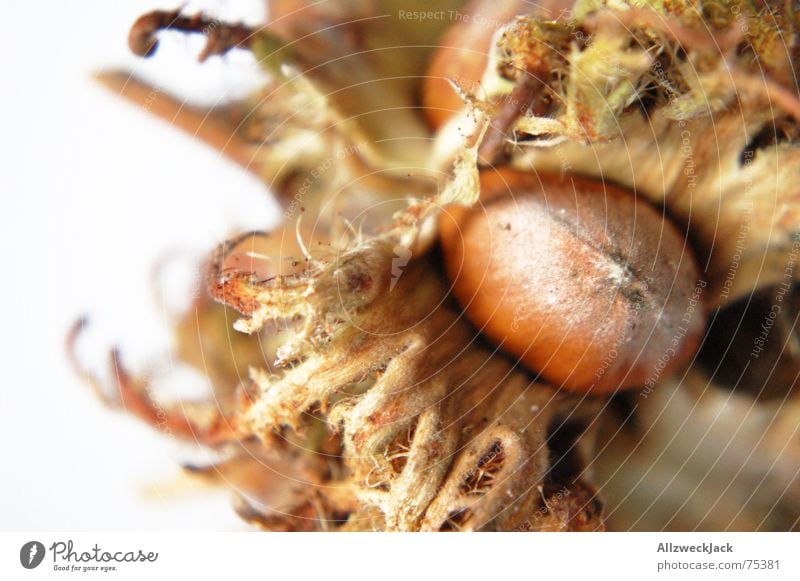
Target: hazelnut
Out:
[584,283]
[462,55]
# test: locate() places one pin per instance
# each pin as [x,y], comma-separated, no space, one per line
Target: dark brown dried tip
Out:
[231,287]
[134,395]
[70,344]
[220,37]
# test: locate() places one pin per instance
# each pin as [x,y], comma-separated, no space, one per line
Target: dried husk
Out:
[689,104]
[378,398]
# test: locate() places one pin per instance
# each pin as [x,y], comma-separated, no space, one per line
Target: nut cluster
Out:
[449,330]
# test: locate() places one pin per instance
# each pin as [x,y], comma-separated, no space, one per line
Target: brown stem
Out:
[493,150]
[210,126]
[220,37]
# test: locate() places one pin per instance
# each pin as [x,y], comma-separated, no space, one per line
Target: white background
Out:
[92,193]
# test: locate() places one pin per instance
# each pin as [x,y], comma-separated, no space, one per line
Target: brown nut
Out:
[581,281]
[462,55]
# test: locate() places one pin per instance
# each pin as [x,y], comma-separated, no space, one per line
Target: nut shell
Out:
[462,56]
[585,284]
